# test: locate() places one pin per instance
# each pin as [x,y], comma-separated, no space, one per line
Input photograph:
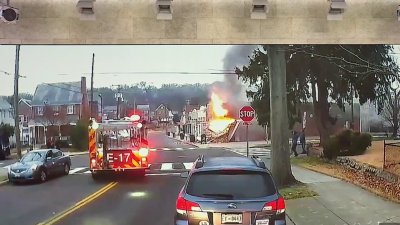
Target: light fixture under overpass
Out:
[86,9]
[336,9]
[259,9]
[164,9]
[9,14]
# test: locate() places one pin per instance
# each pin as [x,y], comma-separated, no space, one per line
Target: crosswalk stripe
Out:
[77,170]
[188,165]
[166,166]
[179,148]
[166,149]
[87,172]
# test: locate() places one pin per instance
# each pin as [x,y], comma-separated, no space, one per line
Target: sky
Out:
[57,63]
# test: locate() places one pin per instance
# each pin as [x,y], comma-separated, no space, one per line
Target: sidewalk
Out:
[338,202]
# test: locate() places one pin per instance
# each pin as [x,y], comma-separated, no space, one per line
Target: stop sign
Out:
[247,114]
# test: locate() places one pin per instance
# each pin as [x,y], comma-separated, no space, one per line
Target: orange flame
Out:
[220,121]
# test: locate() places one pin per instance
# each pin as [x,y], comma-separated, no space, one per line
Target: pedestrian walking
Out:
[295,137]
[303,141]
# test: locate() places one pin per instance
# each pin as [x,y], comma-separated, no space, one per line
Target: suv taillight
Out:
[278,206]
[183,205]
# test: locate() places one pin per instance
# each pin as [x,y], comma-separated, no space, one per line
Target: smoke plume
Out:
[231,89]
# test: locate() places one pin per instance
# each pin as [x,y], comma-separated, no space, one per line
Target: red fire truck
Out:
[117,146]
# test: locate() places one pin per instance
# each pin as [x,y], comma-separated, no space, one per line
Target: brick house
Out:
[25,115]
[55,108]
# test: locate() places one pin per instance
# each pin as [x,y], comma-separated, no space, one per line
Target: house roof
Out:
[159,107]
[58,93]
[4,104]
[143,107]
[26,101]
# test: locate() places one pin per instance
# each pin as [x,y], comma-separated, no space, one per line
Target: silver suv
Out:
[229,190]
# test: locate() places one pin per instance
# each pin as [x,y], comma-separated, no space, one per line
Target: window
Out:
[231,185]
[56,153]
[70,109]
[39,111]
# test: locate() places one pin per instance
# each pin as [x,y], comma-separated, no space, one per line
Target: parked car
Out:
[229,190]
[38,165]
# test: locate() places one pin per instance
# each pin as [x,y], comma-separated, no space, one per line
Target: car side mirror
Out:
[185,174]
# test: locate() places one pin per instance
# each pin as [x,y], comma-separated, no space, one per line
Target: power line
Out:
[157,73]
[9,74]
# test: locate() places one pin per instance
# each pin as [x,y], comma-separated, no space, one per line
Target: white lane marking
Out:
[166,166]
[87,172]
[163,174]
[188,165]
[1,163]
[153,149]
[77,170]
[192,148]
[179,148]
[166,149]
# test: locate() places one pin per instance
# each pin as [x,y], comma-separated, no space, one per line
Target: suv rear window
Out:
[230,185]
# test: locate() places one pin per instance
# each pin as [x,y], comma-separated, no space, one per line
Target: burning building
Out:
[226,99]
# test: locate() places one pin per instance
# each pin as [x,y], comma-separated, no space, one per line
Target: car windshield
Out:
[231,185]
[33,156]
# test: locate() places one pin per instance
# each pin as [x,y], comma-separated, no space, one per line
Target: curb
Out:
[76,153]
[3,182]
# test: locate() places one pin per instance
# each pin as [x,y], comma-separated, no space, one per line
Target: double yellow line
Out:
[80,204]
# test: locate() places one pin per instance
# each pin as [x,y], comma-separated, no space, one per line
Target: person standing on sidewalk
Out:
[303,141]
[295,137]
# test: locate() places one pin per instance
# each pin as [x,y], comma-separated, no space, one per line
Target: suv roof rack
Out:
[199,161]
[258,162]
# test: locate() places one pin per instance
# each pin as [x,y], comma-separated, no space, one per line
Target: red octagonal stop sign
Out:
[247,114]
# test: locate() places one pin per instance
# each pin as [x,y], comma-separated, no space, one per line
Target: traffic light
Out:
[9,14]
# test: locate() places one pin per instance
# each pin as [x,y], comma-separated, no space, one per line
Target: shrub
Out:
[62,143]
[360,143]
[344,138]
[332,147]
[79,135]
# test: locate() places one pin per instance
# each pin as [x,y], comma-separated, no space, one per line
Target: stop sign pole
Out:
[247,114]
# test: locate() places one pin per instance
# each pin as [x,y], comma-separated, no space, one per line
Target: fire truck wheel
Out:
[95,176]
[141,173]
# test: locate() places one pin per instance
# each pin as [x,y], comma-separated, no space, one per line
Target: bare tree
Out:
[391,111]
[52,116]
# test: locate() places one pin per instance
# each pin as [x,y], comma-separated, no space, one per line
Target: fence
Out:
[391,160]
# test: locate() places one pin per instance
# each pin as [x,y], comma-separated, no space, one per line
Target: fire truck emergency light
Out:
[143,152]
[135,117]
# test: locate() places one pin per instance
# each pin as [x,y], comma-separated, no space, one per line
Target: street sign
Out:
[247,114]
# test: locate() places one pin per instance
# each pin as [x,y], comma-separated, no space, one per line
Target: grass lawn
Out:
[297,191]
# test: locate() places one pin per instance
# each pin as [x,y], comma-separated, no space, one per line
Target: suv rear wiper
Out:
[228,196]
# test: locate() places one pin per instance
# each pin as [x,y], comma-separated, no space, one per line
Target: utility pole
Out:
[91,89]
[16,112]
[118,95]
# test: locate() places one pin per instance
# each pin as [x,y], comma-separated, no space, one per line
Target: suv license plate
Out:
[262,222]
[232,218]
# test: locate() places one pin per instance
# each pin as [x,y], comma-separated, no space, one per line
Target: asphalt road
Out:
[144,201]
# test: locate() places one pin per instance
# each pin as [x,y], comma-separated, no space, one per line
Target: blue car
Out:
[38,165]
